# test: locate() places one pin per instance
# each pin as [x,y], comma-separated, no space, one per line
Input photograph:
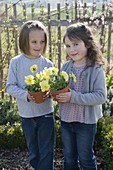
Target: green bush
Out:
[104,136]
[104,139]
[11,136]
[8,111]
[108,105]
[57,127]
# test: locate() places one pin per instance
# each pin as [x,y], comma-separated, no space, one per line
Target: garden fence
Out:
[100,17]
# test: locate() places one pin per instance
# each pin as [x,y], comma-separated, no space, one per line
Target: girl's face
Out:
[76,50]
[36,43]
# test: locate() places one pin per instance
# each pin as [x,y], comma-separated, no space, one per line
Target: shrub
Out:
[57,127]
[104,139]
[11,136]
[8,111]
[108,105]
[104,135]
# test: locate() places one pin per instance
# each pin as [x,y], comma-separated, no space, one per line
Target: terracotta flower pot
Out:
[38,96]
[54,93]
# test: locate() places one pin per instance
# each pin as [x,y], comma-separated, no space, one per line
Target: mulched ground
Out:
[18,160]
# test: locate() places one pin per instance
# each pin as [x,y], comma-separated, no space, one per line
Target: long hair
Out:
[82,32]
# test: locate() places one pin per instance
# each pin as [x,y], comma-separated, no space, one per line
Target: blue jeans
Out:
[78,140]
[39,134]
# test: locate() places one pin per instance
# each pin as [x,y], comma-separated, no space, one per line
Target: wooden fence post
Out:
[1,70]
[15,34]
[49,32]
[59,38]
[24,11]
[102,29]
[109,43]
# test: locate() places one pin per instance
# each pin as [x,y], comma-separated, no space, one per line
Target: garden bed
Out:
[18,160]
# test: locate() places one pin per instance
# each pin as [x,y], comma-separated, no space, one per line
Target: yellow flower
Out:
[39,76]
[2,90]
[29,79]
[46,74]
[54,70]
[48,79]
[65,75]
[73,77]
[34,68]
[44,86]
[48,71]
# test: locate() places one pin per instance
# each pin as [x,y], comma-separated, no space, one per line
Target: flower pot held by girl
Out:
[38,84]
[38,96]
[55,93]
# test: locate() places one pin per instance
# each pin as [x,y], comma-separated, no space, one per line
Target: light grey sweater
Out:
[94,91]
[19,68]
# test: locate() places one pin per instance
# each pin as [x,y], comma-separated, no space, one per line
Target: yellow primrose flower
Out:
[29,79]
[73,77]
[48,71]
[54,70]
[65,75]
[46,75]
[48,79]
[34,68]
[2,90]
[44,86]
[39,76]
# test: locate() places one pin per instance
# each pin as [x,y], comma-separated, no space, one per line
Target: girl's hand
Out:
[31,98]
[46,95]
[64,97]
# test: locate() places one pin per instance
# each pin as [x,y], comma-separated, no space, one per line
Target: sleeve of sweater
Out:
[97,94]
[12,85]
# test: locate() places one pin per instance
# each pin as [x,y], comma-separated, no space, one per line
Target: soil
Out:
[19,160]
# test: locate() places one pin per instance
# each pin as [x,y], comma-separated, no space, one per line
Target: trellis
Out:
[56,21]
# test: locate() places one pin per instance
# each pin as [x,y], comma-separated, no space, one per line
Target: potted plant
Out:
[37,84]
[59,82]
[48,80]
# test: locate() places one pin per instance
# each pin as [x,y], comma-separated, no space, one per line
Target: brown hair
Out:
[24,35]
[82,32]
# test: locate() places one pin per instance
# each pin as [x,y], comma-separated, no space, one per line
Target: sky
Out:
[54,1]
[45,2]
[29,0]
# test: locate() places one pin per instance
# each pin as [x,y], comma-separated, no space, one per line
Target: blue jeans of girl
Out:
[39,134]
[78,139]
